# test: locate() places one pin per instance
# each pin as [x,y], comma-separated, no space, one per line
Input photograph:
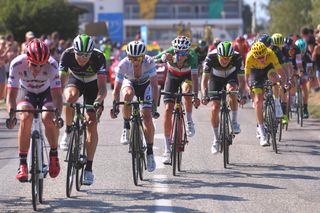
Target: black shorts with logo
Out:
[36,100]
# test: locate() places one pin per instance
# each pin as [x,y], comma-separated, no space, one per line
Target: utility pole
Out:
[253,25]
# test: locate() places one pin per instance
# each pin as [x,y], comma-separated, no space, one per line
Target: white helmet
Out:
[136,48]
[181,43]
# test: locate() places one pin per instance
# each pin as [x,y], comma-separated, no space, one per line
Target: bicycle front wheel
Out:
[134,138]
[225,139]
[71,160]
[80,163]
[177,145]
[300,106]
[34,171]
[271,122]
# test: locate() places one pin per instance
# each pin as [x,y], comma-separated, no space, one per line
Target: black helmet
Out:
[202,43]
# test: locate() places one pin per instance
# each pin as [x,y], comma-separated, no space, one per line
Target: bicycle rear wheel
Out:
[134,137]
[300,106]
[41,179]
[71,160]
[34,171]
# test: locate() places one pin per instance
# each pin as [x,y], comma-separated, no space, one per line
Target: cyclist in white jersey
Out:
[136,76]
[35,76]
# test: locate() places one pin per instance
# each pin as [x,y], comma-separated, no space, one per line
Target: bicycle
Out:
[76,155]
[178,135]
[299,100]
[38,158]
[269,116]
[225,128]
[137,147]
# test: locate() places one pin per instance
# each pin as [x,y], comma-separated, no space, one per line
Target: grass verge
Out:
[314,104]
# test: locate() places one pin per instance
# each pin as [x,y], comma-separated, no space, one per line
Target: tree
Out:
[41,17]
[288,16]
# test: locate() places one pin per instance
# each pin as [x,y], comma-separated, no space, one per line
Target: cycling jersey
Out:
[124,70]
[212,65]
[190,64]
[96,65]
[20,75]
[255,66]
[307,61]
[242,48]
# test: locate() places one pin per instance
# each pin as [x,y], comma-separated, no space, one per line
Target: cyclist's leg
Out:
[232,85]
[171,85]
[305,95]
[215,84]
[187,88]
[72,92]
[148,127]
[26,100]
[128,93]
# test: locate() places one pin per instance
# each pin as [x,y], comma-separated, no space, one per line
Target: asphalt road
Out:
[258,180]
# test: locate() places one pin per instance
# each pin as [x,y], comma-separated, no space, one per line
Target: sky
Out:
[261,13]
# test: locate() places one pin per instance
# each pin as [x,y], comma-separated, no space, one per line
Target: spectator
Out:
[28,37]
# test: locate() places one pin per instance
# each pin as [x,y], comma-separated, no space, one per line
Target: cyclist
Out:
[201,50]
[242,46]
[35,74]
[261,64]
[292,54]
[182,71]
[306,73]
[87,67]
[222,66]
[136,76]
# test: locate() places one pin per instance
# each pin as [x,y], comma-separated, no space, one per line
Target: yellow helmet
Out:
[258,49]
[277,39]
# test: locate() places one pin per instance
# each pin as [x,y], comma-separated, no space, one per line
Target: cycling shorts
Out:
[172,85]
[218,83]
[37,101]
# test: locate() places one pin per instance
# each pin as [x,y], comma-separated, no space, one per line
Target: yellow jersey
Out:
[253,65]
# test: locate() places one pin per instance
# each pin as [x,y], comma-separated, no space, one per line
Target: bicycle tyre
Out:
[134,151]
[300,107]
[176,137]
[34,172]
[80,168]
[280,127]
[271,118]
[70,167]
[142,156]
[41,179]
[224,139]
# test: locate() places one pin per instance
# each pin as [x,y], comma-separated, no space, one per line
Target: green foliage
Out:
[39,16]
[288,16]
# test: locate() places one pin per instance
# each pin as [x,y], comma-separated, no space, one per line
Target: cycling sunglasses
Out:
[224,58]
[85,55]
[182,53]
[260,57]
[36,65]
[135,58]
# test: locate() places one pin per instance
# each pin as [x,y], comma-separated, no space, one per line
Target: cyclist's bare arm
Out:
[116,91]
[102,88]
[11,97]
[195,86]
[154,86]
[63,78]
[204,84]
[56,95]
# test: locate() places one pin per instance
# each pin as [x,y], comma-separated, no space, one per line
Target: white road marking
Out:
[160,186]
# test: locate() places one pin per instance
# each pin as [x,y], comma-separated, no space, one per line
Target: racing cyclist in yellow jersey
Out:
[261,64]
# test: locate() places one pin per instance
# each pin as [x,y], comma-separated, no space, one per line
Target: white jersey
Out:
[124,70]
[21,76]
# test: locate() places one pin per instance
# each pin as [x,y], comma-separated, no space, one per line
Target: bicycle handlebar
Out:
[177,94]
[75,105]
[221,92]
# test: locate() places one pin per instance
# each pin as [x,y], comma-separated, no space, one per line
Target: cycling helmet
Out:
[301,44]
[181,43]
[277,39]
[136,48]
[202,43]
[38,52]
[288,41]
[266,39]
[83,43]
[225,49]
[258,49]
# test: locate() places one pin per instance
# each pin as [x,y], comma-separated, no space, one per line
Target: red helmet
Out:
[38,52]
[240,39]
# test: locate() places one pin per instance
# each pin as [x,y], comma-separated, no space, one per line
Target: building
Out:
[164,18]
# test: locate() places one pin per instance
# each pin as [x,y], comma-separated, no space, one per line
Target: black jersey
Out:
[211,65]
[307,61]
[95,66]
[278,53]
